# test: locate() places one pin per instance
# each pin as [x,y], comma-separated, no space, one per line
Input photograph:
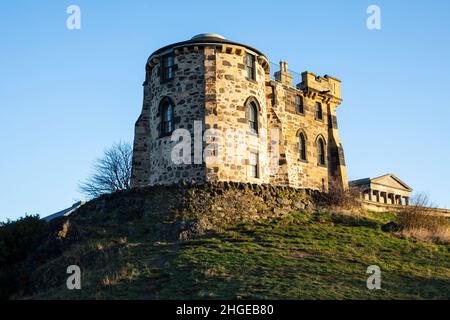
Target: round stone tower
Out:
[209,86]
[212,112]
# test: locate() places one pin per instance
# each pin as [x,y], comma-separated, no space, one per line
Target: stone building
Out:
[224,85]
[387,189]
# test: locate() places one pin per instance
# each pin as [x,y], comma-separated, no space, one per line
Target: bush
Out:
[18,239]
[342,198]
[420,222]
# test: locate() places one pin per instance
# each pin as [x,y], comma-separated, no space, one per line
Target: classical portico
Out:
[386,189]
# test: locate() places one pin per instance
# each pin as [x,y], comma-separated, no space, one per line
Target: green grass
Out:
[301,256]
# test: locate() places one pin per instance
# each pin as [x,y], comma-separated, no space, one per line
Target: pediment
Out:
[391,181]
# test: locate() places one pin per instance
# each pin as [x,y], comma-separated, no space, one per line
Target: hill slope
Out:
[315,255]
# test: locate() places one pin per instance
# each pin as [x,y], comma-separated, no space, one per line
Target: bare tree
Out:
[112,172]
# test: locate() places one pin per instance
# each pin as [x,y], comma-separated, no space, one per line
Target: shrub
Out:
[342,198]
[18,239]
[420,222]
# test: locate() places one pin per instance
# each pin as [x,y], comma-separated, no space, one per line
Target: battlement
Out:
[327,85]
[307,81]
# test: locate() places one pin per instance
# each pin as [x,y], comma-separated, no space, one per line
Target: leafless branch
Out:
[111,173]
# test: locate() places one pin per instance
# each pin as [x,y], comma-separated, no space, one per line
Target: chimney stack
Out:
[283,75]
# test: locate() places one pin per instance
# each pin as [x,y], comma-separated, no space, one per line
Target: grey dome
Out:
[208,36]
[202,39]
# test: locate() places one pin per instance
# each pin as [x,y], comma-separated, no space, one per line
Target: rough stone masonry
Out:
[224,85]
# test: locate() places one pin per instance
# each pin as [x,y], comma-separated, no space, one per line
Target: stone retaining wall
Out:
[383,207]
[196,209]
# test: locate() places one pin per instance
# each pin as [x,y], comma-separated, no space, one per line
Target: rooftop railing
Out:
[296,77]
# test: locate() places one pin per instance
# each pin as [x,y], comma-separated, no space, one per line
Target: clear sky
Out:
[65,94]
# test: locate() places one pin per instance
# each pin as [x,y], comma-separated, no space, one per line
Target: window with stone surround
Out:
[167,67]
[250,66]
[302,146]
[253,164]
[253,117]
[321,152]
[299,104]
[319,111]
[167,118]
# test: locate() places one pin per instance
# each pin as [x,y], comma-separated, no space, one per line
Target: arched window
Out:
[167,117]
[302,146]
[321,151]
[253,117]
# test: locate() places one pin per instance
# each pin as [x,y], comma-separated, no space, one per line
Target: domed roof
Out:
[208,36]
[203,39]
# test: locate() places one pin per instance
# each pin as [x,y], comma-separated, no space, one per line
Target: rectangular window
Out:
[250,64]
[167,67]
[299,104]
[319,113]
[253,162]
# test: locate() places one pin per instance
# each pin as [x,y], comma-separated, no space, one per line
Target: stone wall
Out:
[283,111]
[152,153]
[192,209]
[384,207]
[226,110]
[300,173]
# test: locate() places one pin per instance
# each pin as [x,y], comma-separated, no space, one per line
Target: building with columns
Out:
[224,85]
[387,189]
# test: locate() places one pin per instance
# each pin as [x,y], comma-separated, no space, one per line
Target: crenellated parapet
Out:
[326,87]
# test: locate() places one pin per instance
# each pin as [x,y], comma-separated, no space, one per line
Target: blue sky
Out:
[65,95]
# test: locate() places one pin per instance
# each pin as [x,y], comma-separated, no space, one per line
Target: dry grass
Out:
[441,236]
[419,222]
[127,273]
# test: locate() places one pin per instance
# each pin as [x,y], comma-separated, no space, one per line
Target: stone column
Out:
[370,194]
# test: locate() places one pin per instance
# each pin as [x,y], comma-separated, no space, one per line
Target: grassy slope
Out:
[302,256]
